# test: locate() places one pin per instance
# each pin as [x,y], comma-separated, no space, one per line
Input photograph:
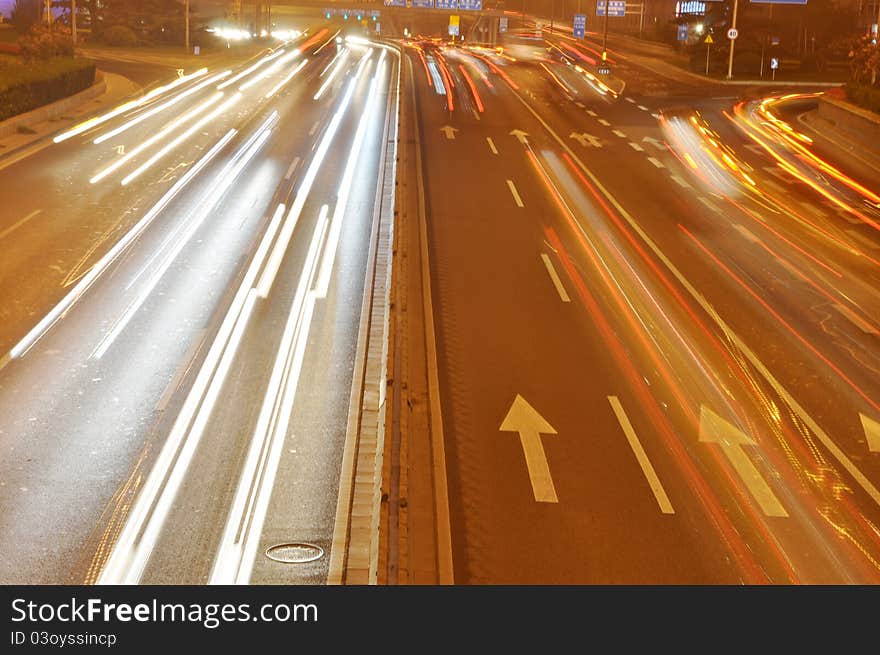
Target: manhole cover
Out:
[296,553]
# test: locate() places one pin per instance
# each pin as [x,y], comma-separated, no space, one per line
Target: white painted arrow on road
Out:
[586,139]
[449,131]
[523,418]
[519,134]
[714,429]
[872,433]
[654,142]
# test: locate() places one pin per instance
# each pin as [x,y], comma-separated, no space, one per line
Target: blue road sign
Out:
[423,4]
[579,26]
[779,2]
[446,4]
[470,5]
[683,32]
[395,3]
[502,24]
[616,8]
[453,30]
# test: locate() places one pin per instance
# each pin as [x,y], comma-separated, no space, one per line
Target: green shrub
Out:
[120,35]
[41,43]
[866,97]
[24,87]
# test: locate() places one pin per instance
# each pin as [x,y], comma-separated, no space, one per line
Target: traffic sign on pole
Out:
[502,24]
[683,32]
[616,8]
[579,26]
[732,33]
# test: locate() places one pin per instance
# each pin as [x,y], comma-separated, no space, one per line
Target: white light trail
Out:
[161,134]
[332,75]
[66,303]
[287,79]
[159,108]
[250,70]
[181,138]
[126,106]
[222,183]
[274,68]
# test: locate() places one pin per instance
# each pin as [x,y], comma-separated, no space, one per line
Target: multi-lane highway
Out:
[656,316]
[183,279]
[655,301]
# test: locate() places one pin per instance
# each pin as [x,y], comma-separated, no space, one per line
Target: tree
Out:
[25,14]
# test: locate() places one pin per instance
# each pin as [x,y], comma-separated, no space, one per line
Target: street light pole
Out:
[732,41]
[186,13]
[73,21]
[605,35]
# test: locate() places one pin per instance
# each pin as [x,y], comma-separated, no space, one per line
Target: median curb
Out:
[416,545]
[354,553]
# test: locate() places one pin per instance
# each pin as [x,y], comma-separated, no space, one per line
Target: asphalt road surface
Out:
[657,327]
[656,304]
[184,302]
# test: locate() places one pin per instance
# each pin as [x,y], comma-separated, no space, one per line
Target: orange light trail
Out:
[843,376]
[473,88]
[660,366]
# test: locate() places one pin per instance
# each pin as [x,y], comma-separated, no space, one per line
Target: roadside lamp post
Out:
[732,41]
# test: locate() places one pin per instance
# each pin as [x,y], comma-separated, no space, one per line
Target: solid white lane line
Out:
[656,162]
[491,145]
[554,277]
[641,456]
[515,193]
[18,224]
[291,168]
[622,135]
[636,147]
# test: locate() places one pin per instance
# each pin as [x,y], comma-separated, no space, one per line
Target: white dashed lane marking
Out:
[515,193]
